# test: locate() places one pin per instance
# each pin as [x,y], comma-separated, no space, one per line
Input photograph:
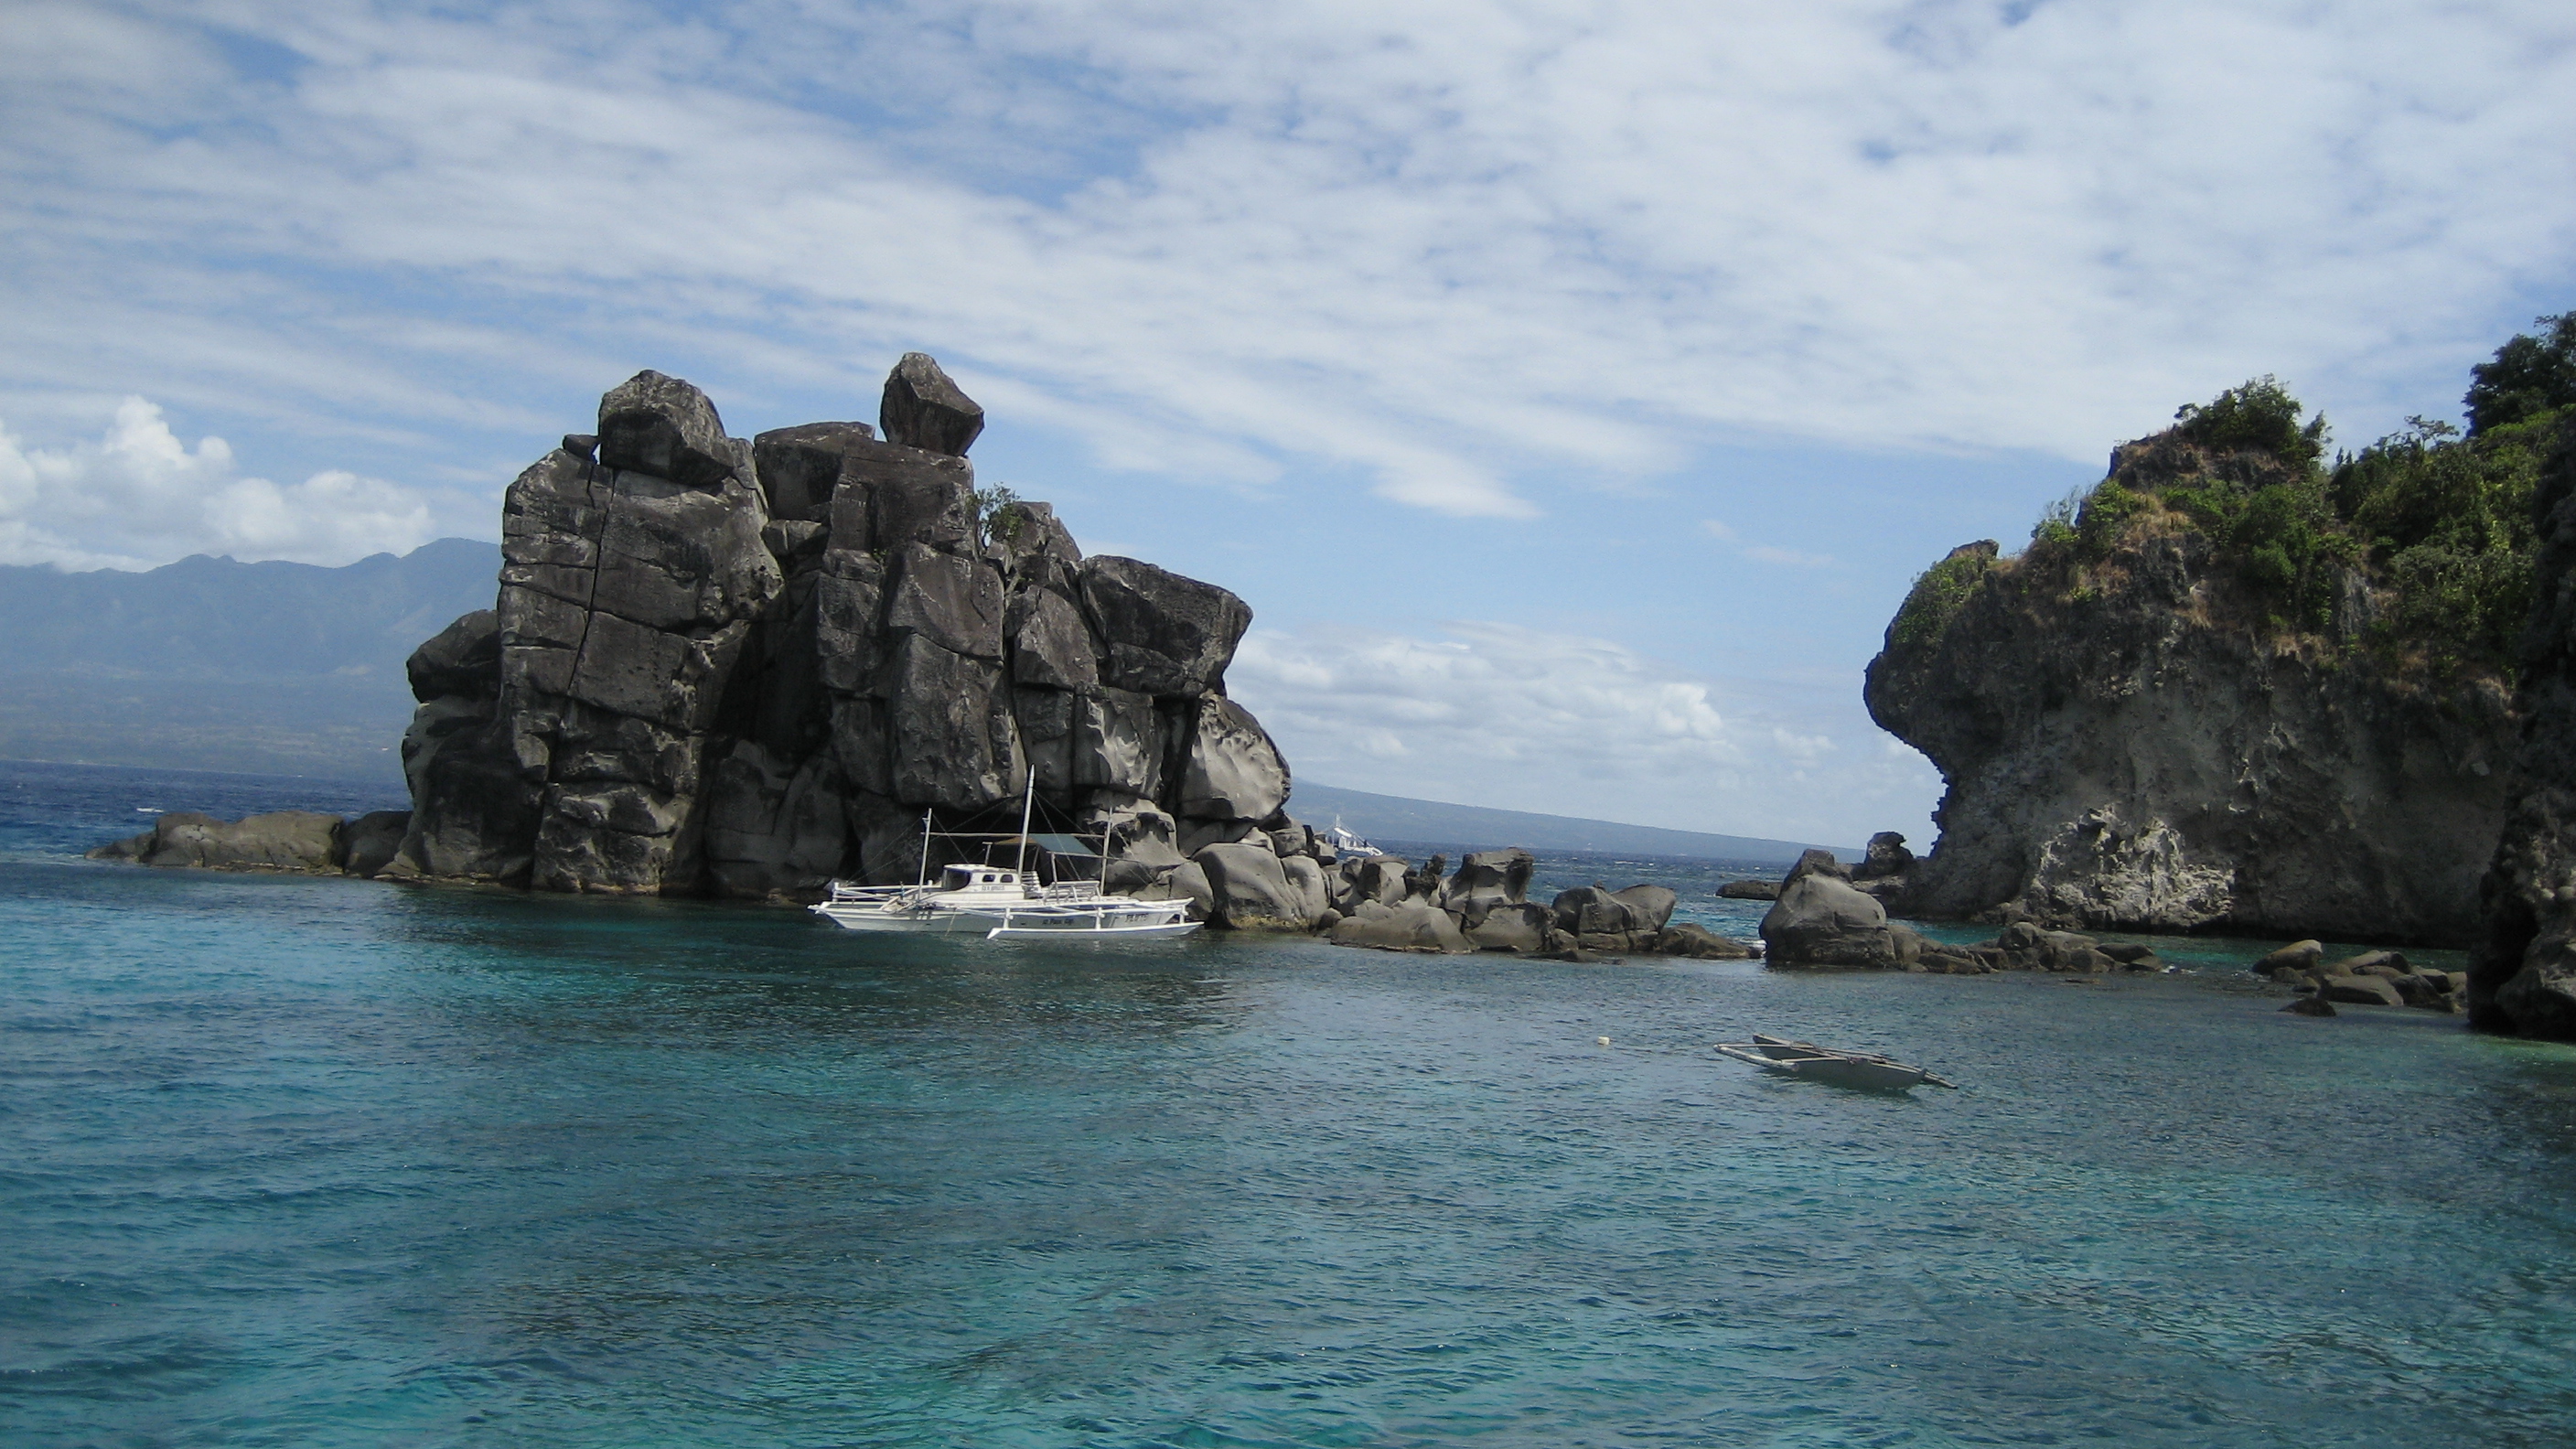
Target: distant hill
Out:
[1426,822]
[290,669]
[214,664]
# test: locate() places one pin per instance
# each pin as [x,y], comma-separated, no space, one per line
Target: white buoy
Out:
[1601,1041]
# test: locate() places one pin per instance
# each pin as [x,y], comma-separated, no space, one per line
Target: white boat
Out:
[1006,904]
[1344,842]
[964,898]
[1825,1064]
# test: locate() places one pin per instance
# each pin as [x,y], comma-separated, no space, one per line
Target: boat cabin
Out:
[978,878]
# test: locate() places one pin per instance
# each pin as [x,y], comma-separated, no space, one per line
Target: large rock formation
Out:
[746,667]
[2522,974]
[2129,743]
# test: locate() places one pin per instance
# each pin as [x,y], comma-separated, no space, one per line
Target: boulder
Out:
[954,602]
[924,409]
[2311,1006]
[1412,925]
[1886,856]
[1820,920]
[893,497]
[1166,635]
[1488,878]
[656,424]
[2298,955]
[1050,645]
[1252,892]
[301,841]
[461,660]
[2360,990]
[1524,927]
[370,842]
[799,468]
[2391,964]
[1306,887]
[1649,906]
[1750,890]
[1695,940]
[1233,771]
[1379,878]
[955,742]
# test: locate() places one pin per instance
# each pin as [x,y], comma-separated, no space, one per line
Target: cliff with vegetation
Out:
[2232,686]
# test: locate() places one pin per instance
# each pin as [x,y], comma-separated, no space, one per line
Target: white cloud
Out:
[139,497]
[1518,718]
[1481,253]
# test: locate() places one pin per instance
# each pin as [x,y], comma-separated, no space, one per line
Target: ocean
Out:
[321,1162]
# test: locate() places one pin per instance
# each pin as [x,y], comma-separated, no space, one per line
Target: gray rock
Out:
[655,424]
[1050,645]
[1117,743]
[1167,635]
[1306,888]
[370,842]
[895,497]
[1378,878]
[1489,878]
[1698,941]
[1649,906]
[1523,927]
[2311,1006]
[924,409]
[955,743]
[293,841]
[1821,920]
[1887,856]
[774,832]
[1750,890]
[800,468]
[463,659]
[1413,925]
[2102,748]
[1233,771]
[955,603]
[2361,990]
[2296,956]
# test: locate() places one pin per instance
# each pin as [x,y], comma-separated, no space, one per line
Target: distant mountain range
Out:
[212,664]
[291,669]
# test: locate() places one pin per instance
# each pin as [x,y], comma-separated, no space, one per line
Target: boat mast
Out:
[1027,804]
[922,877]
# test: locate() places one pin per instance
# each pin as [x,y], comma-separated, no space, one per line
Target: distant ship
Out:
[1344,842]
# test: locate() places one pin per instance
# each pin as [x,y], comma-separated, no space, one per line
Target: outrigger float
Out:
[1824,1064]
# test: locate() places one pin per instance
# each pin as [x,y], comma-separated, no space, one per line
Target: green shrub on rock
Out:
[1938,595]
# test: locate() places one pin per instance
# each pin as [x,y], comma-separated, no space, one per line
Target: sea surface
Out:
[320,1162]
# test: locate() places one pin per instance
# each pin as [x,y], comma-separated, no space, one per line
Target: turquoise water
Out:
[321,1162]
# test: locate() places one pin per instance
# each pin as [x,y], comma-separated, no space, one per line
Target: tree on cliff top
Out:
[2529,376]
[2437,524]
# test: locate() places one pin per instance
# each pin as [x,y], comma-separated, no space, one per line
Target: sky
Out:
[1573,390]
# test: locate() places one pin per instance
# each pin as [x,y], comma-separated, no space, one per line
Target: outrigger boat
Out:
[1006,903]
[1825,1064]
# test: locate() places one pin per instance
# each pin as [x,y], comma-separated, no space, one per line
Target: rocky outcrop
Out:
[1382,902]
[747,667]
[297,842]
[2522,973]
[2128,743]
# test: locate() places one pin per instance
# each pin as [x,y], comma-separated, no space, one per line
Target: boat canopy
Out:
[1051,844]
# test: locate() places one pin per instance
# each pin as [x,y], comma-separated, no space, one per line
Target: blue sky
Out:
[1573,390]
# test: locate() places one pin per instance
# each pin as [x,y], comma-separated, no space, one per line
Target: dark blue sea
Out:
[320,1162]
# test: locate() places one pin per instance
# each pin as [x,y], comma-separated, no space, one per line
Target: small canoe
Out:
[1869,1070]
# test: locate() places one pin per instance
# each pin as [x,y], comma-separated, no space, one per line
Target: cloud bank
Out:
[1526,719]
[1480,254]
[139,497]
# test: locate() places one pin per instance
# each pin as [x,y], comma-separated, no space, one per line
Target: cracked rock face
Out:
[2522,973]
[2126,753]
[746,668]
